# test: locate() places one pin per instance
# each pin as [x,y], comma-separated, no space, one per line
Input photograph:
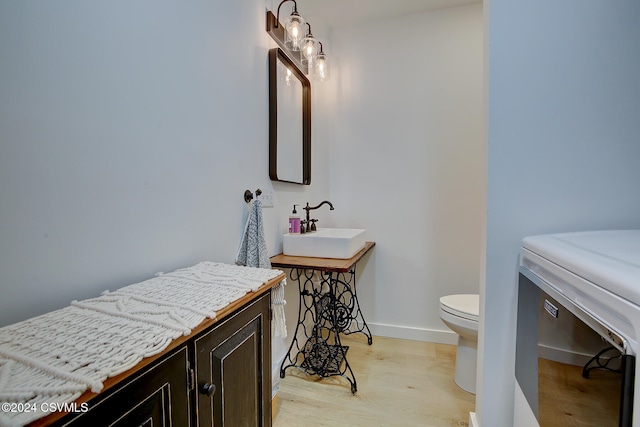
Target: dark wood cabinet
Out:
[233,370]
[158,396]
[220,376]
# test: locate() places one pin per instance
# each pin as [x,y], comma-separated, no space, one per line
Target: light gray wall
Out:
[563,107]
[405,134]
[128,134]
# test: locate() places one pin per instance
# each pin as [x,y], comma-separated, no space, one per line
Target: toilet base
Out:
[466,356]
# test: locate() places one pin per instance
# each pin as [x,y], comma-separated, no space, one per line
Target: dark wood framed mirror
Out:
[289,121]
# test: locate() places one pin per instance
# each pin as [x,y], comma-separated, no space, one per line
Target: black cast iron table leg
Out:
[321,318]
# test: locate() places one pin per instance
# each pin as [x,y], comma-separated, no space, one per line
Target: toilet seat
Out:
[466,306]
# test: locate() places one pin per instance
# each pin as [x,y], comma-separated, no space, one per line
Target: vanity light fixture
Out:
[309,47]
[320,67]
[300,48]
[292,27]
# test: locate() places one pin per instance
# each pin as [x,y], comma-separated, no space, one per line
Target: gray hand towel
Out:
[253,247]
[253,253]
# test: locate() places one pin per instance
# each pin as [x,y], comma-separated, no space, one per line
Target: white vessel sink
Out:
[342,243]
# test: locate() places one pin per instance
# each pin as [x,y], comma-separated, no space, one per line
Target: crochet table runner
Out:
[54,358]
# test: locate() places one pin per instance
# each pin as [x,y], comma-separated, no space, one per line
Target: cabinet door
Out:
[233,369]
[158,396]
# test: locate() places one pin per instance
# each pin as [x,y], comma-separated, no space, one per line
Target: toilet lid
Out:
[466,306]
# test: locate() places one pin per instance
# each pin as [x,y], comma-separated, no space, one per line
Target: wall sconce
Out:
[309,47]
[320,67]
[292,28]
[300,48]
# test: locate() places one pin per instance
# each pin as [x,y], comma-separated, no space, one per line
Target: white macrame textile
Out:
[56,357]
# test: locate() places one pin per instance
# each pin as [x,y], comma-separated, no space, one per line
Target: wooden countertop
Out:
[113,381]
[324,264]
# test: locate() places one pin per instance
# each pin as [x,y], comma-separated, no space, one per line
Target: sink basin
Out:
[342,243]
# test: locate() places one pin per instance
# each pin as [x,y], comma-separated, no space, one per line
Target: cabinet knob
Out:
[208,389]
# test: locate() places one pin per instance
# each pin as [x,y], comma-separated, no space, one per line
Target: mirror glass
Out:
[289,125]
[289,121]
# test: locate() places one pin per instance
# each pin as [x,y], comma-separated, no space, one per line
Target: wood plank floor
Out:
[400,383]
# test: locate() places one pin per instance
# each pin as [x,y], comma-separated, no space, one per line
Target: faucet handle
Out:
[313,224]
[302,229]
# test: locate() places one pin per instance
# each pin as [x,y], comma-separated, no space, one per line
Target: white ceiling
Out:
[327,14]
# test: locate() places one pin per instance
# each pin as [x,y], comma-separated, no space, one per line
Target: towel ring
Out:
[248,195]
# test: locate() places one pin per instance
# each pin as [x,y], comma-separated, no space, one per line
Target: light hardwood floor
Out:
[400,383]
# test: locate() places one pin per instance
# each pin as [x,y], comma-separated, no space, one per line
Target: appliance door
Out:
[571,368]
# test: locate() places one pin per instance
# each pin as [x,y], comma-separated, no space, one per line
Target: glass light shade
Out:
[293,31]
[321,68]
[309,49]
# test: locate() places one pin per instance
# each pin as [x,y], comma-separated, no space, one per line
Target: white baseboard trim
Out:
[473,420]
[416,334]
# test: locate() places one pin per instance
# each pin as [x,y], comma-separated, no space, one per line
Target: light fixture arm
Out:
[309,33]
[293,12]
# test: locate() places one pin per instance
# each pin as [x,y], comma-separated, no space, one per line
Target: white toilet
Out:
[460,313]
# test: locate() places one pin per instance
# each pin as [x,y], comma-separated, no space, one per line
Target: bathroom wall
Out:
[129,132]
[563,105]
[404,124]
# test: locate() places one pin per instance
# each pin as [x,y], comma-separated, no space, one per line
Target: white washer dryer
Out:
[578,329]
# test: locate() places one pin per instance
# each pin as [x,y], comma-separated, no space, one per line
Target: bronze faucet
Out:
[311,223]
